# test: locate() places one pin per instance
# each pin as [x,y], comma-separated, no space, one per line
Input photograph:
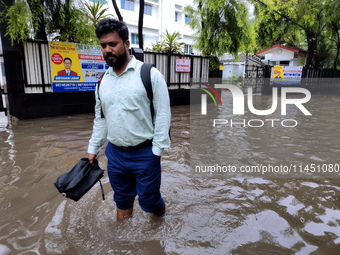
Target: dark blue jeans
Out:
[134,173]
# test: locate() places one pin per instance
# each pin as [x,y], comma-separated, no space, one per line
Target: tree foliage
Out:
[313,25]
[95,12]
[221,25]
[59,19]
[272,28]
[305,24]
[333,27]
[22,24]
[170,43]
[69,23]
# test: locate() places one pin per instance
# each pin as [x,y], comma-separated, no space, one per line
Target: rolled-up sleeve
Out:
[99,133]
[162,118]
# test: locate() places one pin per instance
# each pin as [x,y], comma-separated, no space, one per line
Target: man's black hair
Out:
[67,59]
[110,25]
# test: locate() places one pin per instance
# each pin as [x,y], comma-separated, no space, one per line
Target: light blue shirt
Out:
[126,108]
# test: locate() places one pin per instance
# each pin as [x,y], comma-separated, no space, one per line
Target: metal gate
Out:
[254,73]
[3,93]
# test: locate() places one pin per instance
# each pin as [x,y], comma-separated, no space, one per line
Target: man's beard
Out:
[117,62]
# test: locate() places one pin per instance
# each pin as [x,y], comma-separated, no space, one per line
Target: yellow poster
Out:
[75,67]
[287,75]
[65,65]
[278,73]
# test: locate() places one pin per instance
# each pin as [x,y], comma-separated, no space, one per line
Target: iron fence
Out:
[37,68]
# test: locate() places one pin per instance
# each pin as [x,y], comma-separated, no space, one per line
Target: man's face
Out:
[114,49]
[67,64]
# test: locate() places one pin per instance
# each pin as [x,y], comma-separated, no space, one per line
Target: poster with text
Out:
[183,65]
[75,67]
[287,75]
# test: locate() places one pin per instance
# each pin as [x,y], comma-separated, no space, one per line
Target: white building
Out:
[231,68]
[159,16]
[280,55]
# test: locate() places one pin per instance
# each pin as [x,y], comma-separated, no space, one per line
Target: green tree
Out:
[18,19]
[299,23]
[68,23]
[272,28]
[37,11]
[333,22]
[23,22]
[158,46]
[95,12]
[170,43]
[310,14]
[35,19]
[222,26]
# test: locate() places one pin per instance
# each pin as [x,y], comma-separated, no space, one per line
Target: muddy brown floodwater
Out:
[205,215]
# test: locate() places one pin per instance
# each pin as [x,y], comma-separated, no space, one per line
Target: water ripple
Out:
[211,214]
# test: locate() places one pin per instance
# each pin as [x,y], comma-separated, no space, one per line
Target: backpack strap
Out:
[145,74]
[146,79]
[99,81]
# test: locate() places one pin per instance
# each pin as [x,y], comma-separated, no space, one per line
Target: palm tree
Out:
[94,12]
[171,43]
[158,46]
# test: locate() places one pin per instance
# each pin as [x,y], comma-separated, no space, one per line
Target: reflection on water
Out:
[206,215]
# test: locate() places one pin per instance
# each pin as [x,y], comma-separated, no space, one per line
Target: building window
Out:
[176,17]
[134,39]
[128,5]
[187,49]
[187,19]
[284,63]
[148,9]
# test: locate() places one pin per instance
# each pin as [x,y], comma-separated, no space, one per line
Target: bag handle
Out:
[80,174]
[101,186]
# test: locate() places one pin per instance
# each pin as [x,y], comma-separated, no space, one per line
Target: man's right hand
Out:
[91,157]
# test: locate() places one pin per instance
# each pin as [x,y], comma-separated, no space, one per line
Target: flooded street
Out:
[206,214]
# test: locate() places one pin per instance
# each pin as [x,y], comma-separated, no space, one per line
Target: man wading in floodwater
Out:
[136,142]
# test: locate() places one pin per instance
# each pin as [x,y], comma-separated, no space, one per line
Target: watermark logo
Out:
[239,105]
[238,100]
[204,98]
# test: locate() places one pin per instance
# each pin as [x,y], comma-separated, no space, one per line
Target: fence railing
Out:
[313,78]
[254,77]
[37,68]
[199,68]
[320,73]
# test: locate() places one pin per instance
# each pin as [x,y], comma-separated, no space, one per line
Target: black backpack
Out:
[146,79]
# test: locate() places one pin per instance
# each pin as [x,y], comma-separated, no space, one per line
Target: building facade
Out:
[232,69]
[282,56]
[159,16]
